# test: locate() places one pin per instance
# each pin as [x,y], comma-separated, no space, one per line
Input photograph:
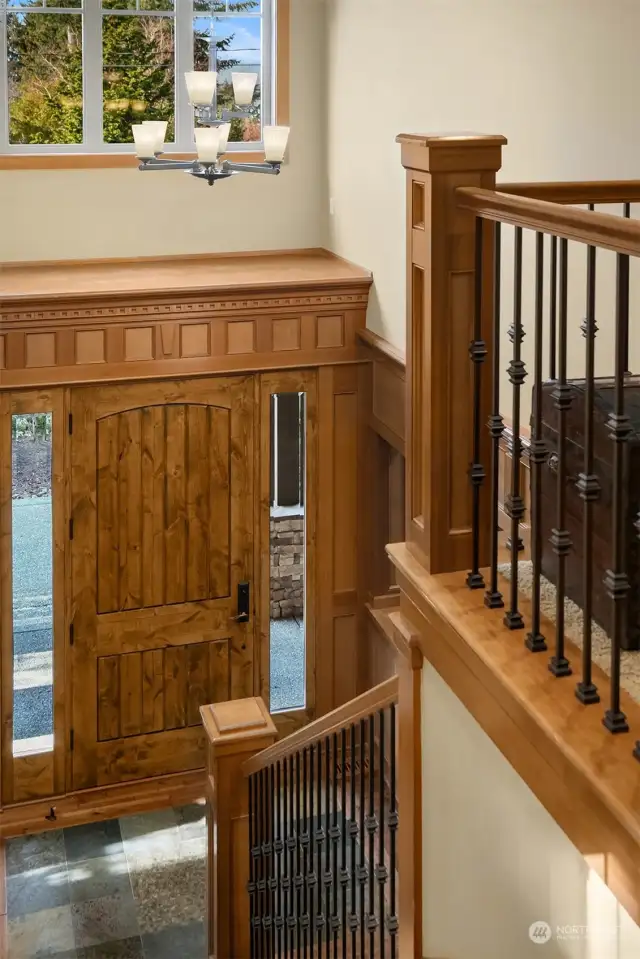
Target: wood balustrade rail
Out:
[572,191]
[584,226]
[370,702]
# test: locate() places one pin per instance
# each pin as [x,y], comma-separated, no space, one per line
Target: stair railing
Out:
[305,842]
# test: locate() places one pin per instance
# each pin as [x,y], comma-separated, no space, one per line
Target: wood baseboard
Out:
[107,802]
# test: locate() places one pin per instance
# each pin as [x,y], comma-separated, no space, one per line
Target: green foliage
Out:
[46,83]
[32,425]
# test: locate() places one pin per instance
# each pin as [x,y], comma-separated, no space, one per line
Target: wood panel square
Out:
[286,334]
[90,346]
[330,334]
[138,343]
[194,339]
[40,349]
[241,337]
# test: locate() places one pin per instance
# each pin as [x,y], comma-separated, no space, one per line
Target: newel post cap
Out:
[451,152]
[242,725]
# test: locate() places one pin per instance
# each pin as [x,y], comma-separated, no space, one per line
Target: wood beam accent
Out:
[587,779]
[440,301]
[235,731]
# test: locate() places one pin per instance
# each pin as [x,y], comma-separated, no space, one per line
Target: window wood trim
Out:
[106,161]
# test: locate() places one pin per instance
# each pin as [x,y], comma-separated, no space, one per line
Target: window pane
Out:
[139,74]
[137,5]
[227,6]
[44,62]
[287,552]
[32,578]
[233,43]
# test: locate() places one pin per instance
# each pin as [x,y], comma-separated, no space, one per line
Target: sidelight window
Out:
[32,582]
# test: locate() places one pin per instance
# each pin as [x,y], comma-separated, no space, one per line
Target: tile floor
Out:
[129,888]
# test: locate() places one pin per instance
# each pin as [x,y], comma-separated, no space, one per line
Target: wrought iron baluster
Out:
[299,877]
[320,831]
[252,880]
[312,877]
[262,881]
[372,826]
[616,580]
[353,831]
[292,842]
[381,872]
[305,854]
[393,828]
[560,539]
[535,641]
[278,848]
[477,353]
[328,878]
[362,869]
[344,872]
[553,308]
[271,864]
[335,836]
[286,879]
[588,485]
[514,503]
[493,597]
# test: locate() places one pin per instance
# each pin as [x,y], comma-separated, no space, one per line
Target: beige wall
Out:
[105,213]
[495,861]
[558,79]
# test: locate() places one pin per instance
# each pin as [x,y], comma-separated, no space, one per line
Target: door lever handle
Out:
[243,607]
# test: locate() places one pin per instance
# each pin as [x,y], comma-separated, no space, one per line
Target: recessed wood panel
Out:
[286,334]
[40,349]
[241,337]
[1,352]
[90,346]
[138,343]
[194,339]
[163,506]
[330,334]
[159,689]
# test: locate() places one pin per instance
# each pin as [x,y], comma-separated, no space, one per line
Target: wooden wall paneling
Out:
[42,774]
[302,381]
[86,322]
[338,582]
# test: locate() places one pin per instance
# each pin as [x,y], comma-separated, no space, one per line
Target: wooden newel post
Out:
[236,731]
[440,310]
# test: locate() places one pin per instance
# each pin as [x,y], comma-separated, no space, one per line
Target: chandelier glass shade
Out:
[211,132]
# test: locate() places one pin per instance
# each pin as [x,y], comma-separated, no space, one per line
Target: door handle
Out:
[243,604]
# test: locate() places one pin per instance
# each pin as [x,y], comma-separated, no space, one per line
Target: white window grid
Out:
[183,14]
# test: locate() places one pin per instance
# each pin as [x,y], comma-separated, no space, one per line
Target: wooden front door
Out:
[162,535]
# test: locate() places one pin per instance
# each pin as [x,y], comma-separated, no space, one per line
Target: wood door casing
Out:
[162,509]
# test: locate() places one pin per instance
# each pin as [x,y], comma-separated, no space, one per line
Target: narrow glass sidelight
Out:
[32,582]
[287,550]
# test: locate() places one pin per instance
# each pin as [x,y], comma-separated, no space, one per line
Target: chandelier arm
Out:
[267,167]
[159,164]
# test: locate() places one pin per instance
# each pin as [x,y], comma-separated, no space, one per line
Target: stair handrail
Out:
[576,191]
[362,706]
[602,230]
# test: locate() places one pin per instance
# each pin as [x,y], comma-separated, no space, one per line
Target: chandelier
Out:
[212,135]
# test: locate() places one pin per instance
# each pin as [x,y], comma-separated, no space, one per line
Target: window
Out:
[76,74]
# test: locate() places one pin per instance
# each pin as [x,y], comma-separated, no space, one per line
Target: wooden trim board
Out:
[106,802]
[587,779]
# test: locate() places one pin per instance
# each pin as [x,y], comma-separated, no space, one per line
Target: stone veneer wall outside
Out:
[287,566]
